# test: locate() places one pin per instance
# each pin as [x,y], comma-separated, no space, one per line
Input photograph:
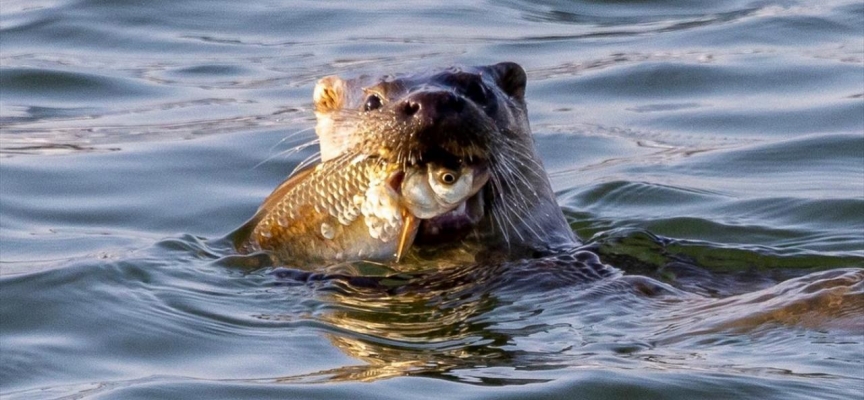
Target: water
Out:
[712,152]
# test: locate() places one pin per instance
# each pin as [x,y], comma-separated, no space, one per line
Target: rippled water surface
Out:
[710,153]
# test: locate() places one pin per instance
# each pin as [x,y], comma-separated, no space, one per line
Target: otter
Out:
[456,117]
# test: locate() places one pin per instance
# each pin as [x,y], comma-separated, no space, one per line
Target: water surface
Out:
[711,154]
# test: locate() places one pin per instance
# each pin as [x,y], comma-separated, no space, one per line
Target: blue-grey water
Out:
[711,152]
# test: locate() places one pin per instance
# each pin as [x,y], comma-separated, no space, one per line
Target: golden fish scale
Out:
[322,216]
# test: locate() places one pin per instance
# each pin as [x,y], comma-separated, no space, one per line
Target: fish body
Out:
[358,208]
[342,209]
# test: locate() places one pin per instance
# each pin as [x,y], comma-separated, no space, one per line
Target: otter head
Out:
[457,117]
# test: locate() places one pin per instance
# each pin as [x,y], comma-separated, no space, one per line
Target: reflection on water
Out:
[456,324]
[708,154]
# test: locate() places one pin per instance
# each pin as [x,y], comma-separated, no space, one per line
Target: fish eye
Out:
[447,177]
[373,102]
[449,186]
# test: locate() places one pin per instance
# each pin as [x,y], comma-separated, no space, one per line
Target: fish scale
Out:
[342,207]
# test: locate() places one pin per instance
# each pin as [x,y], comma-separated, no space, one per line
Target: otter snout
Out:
[428,107]
[436,121]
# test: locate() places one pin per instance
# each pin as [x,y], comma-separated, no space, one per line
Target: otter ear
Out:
[510,77]
[329,94]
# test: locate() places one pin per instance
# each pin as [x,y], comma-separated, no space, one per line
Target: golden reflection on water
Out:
[440,327]
[428,329]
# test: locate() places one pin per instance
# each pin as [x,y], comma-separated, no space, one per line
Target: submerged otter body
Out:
[462,118]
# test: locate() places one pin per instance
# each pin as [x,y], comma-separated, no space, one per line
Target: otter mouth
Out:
[452,225]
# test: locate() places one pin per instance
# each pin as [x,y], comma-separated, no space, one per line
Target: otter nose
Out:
[431,106]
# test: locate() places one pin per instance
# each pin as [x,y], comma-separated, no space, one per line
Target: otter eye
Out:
[448,177]
[373,102]
[476,92]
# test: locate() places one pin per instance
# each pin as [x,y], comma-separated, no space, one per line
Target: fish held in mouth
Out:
[358,208]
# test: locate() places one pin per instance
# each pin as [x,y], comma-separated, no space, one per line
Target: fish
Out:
[358,208]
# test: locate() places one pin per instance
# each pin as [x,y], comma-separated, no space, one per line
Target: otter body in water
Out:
[471,119]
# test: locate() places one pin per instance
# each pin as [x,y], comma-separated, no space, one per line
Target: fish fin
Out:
[406,237]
